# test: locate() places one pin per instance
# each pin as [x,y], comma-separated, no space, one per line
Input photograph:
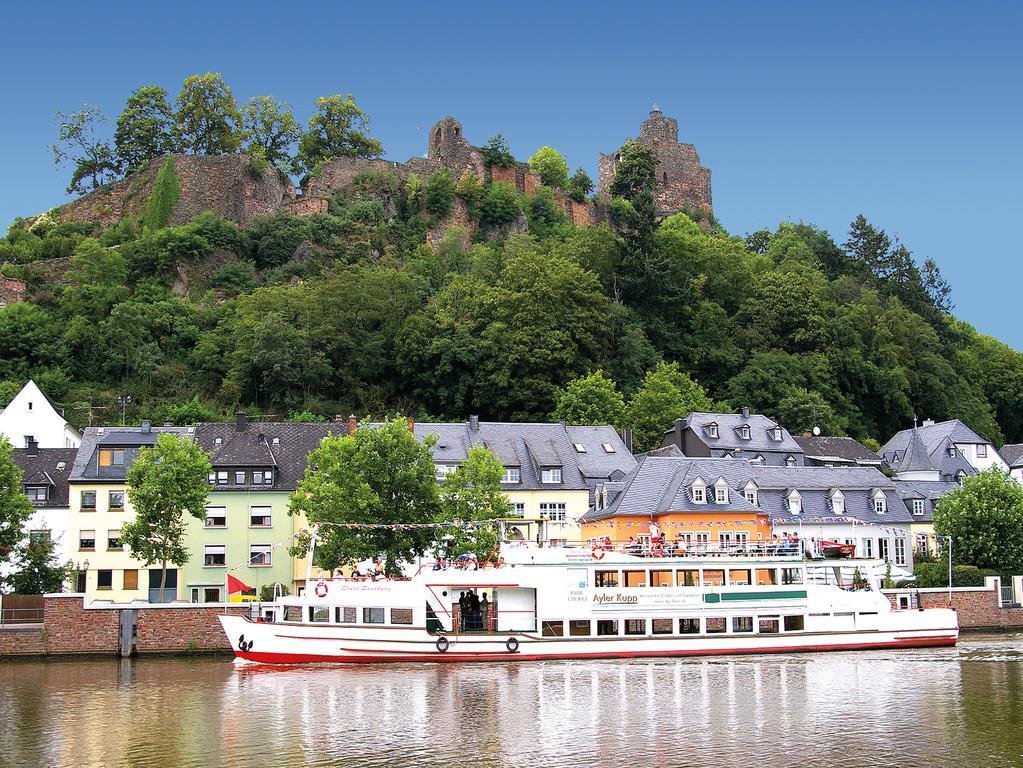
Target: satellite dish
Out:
[816,431]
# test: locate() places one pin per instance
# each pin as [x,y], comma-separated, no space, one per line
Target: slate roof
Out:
[533,446]
[132,439]
[927,490]
[252,446]
[836,449]
[662,484]
[915,458]
[50,467]
[728,431]
[936,444]
[1013,454]
[933,435]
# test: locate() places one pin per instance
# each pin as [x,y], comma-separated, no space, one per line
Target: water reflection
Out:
[911,708]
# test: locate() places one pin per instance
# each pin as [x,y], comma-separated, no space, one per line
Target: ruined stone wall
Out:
[519,176]
[11,290]
[224,184]
[448,147]
[307,205]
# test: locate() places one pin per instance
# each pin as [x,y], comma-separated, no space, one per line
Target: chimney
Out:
[339,419]
[627,438]
[352,424]
[411,424]
[928,423]
[147,427]
[240,420]
[745,411]
[474,423]
[32,449]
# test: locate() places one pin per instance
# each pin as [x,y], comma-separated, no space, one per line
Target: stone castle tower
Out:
[682,183]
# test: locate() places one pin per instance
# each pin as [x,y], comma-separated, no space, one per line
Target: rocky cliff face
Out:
[224,184]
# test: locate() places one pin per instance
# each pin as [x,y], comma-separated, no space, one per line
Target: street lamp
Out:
[124,402]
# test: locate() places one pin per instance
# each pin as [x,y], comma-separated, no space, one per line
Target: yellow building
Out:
[101,567]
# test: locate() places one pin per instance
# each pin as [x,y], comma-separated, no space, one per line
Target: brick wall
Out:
[22,641]
[977,607]
[70,628]
[504,174]
[307,205]
[178,629]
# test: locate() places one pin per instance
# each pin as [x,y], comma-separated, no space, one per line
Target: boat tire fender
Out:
[442,644]
[512,645]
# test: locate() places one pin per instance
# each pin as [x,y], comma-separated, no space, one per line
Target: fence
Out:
[21,609]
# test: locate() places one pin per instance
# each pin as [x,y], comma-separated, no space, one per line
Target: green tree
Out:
[77,142]
[165,483]
[666,394]
[98,278]
[985,520]
[380,475]
[270,131]
[208,117]
[339,128]
[15,508]
[501,205]
[472,495]
[146,128]
[548,163]
[439,194]
[470,190]
[590,399]
[38,569]
[495,152]
[579,185]
[801,410]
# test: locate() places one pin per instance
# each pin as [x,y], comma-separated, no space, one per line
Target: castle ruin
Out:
[682,183]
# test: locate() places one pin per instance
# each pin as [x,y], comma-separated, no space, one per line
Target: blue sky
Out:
[909,112]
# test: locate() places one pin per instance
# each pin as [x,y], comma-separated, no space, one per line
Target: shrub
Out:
[936,575]
[162,198]
[470,190]
[496,152]
[550,166]
[439,194]
[234,278]
[275,238]
[501,205]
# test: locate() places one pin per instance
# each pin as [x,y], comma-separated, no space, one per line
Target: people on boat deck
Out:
[606,544]
[378,571]
[484,612]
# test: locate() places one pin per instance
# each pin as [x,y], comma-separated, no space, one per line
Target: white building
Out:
[950,446]
[31,415]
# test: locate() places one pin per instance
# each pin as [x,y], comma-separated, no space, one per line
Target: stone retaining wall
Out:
[978,607]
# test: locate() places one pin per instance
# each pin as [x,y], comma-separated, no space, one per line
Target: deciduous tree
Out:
[590,399]
[271,131]
[985,520]
[208,117]
[548,163]
[78,143]
[146,128]
[15,508]
[665,395]
[339,128]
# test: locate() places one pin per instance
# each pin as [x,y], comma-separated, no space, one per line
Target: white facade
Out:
[982,456]
[31,415]
[52,519]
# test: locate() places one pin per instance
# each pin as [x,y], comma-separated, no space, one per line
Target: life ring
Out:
[512,645]
[442,644]
[597,553]
[321,589]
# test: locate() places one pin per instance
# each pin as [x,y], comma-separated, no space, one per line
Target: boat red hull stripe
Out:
[378,656]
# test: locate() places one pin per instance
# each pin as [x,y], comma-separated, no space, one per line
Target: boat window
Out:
[634,578]
[742,623]
[579,627]
[319,614]
[767,576]
[401,615]
[688,578]
[713,578]
[373,615]
[347,615]
[556,629]
[605,579]
[791,575]
[794,623]
[843,613]
[662,626]
[293,613]
[635,626]
[607,626]
[769,625]
[870,613]
[716,625]
[690,626]
[660,578]
[739,576]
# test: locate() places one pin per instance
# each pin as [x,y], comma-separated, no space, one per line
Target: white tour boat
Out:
[565,603]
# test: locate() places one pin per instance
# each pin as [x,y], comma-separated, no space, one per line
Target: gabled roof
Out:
[253,446]
[930,491]
[729,425]
[932,436]
[132,439]
[816,486]
[916,457]
[845,449]
[1013,454]
[50,467]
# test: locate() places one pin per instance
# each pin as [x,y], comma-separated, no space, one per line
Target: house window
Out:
[216,517]
[776,433]
[268,477]
[115,500]
[751,496]
[982,451]
[30,405]
[900,551]
[744,432]
[550,511]
[111,457]
[441,471]
[720,494]
[952,451]
[222,477]
[260,555]
[879,505]
[36,494]
[257,477]
[698,494]
[712,430]
[961,478]
[518,510]
[838,504]
[868,548]
[608,448]
[130,578]
[211,594]
[795,504]
[882,549]
[39,537]
[918,506]
[511,475]
[579,447]
[87,540]
[790,461]
[214,555]
[114,539]
[88,500]
[260,517]
[239,477]
[550,475]
[105,579]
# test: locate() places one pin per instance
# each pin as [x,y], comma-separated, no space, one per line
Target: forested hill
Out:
[350,310]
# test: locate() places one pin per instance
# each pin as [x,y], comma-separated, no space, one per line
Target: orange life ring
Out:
[597,553]
[321,589]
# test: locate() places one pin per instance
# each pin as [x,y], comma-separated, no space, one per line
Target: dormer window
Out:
[712,430]
[951,451]
[699,491]
[744,432]
[838,502]
[790,461]
[511,475]
[960,477]
[276,441]
[550,475]
[441,471]
[608,448]
[880,503]
[36,494]
[795,503]
[111,457]
[720,494]
[776,433]
[750,492]
[218,441]
[579,447]
[759,459]
[918,506]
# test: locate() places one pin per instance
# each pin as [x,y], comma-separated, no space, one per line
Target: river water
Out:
[949,707]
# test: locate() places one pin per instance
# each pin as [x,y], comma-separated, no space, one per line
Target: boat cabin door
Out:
[516,609]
